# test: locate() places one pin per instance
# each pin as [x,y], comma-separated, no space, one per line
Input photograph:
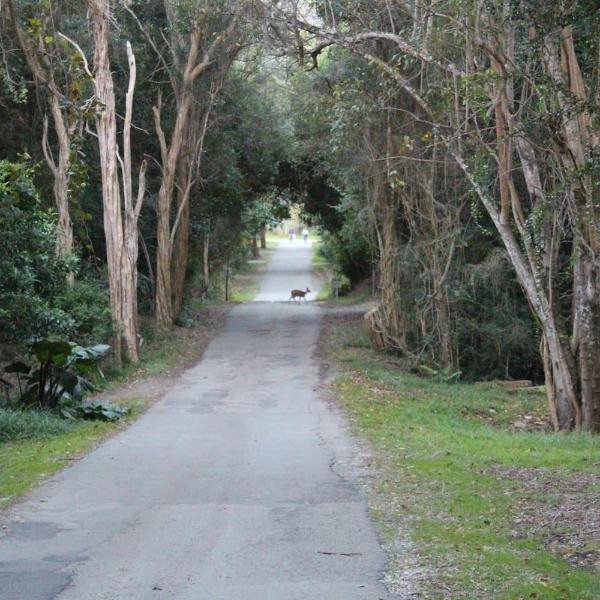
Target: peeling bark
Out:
[121,211]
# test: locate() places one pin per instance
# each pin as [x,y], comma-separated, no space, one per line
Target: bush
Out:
[31,275]
[35,298]
[496,335]
[348,250]
[340,284]
[88,305]
[58,377]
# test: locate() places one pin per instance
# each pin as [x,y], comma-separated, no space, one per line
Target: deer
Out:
[298,294]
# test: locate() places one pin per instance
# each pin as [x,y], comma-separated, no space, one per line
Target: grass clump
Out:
[27,424]
[492,510]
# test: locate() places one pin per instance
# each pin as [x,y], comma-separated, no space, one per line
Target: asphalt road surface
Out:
[238,485]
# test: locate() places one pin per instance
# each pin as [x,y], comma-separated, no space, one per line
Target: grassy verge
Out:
[322,268]
[37,444]
[474,498]
[245,285]
[358,295]
[165,350]
[274,238]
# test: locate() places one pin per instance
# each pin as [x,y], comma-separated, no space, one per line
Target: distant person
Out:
[292,233]
[305,234]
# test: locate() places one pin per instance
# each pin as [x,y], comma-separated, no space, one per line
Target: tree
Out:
[121,210]
[257,217]
[210,32]
[57,69]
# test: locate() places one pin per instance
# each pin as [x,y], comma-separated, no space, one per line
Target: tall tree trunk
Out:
[106,128]
[60,173]
[131,215]
[263,238]
[171,154]
[187,175]
[120,220]
[255,252]
[389,319]
[170,159]
[587,306]
[43,74]
[205,262]
[447,358]
[561,380]
[180,250]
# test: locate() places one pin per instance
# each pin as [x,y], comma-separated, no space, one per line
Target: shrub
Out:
[88,306]
[31,274]
[496,335]
[58,379]
[348,250]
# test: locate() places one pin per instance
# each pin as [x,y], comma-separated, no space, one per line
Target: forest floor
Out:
[473,494]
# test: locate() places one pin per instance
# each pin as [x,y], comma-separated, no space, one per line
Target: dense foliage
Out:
[35,299]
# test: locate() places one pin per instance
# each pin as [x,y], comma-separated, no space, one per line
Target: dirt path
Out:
[237,485]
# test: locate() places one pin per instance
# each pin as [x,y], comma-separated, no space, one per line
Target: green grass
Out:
[324,292]
[323,270]
[161,351]
[357,295]
[28,424]
[42,444]
[317,258]
[274,238]
[245,285]
[244,291]
[478,498]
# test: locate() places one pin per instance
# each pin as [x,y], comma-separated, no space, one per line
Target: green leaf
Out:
[54,352]
[18,367]
[102,412]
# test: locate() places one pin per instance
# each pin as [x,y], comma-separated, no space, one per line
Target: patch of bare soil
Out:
[191,343]
[562,508]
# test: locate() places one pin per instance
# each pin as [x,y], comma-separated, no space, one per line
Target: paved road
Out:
[237,485]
